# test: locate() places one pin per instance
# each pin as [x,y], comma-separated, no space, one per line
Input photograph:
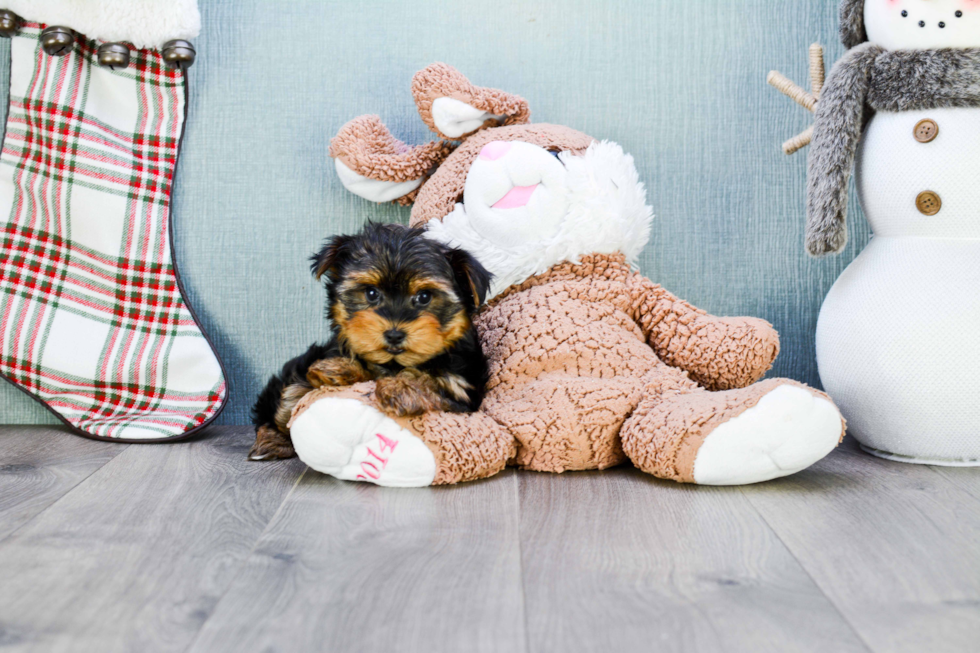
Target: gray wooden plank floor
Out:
[895,547]
[37,469]
[665,567]
[348,567]
[189,547]
[135,557]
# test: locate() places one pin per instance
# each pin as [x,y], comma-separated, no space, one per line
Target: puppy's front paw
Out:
[407,396]
[270,444]
[336,372]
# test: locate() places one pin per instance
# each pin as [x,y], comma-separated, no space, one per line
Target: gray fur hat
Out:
[852,31]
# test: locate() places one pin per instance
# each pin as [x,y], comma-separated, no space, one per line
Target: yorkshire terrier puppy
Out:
[401,307]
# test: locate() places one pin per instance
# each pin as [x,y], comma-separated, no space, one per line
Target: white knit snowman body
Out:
[898,338]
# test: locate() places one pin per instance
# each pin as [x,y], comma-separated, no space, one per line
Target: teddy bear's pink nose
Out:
[494,150]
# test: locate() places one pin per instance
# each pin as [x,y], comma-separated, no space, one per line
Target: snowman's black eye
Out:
[922,23]
[959,14]
[942,25]
[905,13]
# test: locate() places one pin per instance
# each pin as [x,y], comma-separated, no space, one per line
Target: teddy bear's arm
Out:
[720,353]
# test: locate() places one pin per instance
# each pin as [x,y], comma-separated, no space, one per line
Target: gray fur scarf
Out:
[867,79]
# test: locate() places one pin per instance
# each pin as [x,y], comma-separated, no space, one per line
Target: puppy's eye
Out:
[423,297]
[372,295]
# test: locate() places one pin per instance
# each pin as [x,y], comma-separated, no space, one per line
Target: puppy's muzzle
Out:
[394,339]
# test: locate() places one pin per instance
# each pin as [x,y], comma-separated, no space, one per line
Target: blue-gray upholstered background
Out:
[679,83]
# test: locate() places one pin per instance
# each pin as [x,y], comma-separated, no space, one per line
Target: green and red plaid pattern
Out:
[92,321]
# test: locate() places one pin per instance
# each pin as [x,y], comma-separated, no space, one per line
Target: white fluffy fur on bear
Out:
[589,204]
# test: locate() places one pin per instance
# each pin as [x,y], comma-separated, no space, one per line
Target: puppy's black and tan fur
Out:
[401,307]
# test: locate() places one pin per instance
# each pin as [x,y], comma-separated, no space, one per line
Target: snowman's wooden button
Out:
[928,203]
[926,131]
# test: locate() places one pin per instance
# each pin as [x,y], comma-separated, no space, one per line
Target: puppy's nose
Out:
[394,337]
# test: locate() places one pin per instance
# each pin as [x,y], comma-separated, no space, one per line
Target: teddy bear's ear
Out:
[453,108]
[373,164]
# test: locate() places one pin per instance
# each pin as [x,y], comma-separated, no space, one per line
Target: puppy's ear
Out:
[471,277]
[334,254]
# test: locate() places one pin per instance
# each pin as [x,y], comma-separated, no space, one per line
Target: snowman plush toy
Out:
[898,339]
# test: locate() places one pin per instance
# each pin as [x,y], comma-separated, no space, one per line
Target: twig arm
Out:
[818,71]
[798,94]
[797,143]
[806,99]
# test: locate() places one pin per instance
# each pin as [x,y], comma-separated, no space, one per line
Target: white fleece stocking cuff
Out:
[144,23]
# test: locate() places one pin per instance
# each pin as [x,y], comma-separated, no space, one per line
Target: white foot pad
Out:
[786,432]
[355,442]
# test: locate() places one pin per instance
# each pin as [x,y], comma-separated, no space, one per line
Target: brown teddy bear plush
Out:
[591,364]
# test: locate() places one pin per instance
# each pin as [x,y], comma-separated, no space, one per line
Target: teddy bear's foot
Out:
[350,440]
[788,430]
[770,429]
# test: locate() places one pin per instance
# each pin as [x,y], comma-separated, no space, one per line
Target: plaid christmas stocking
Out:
[92,321]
